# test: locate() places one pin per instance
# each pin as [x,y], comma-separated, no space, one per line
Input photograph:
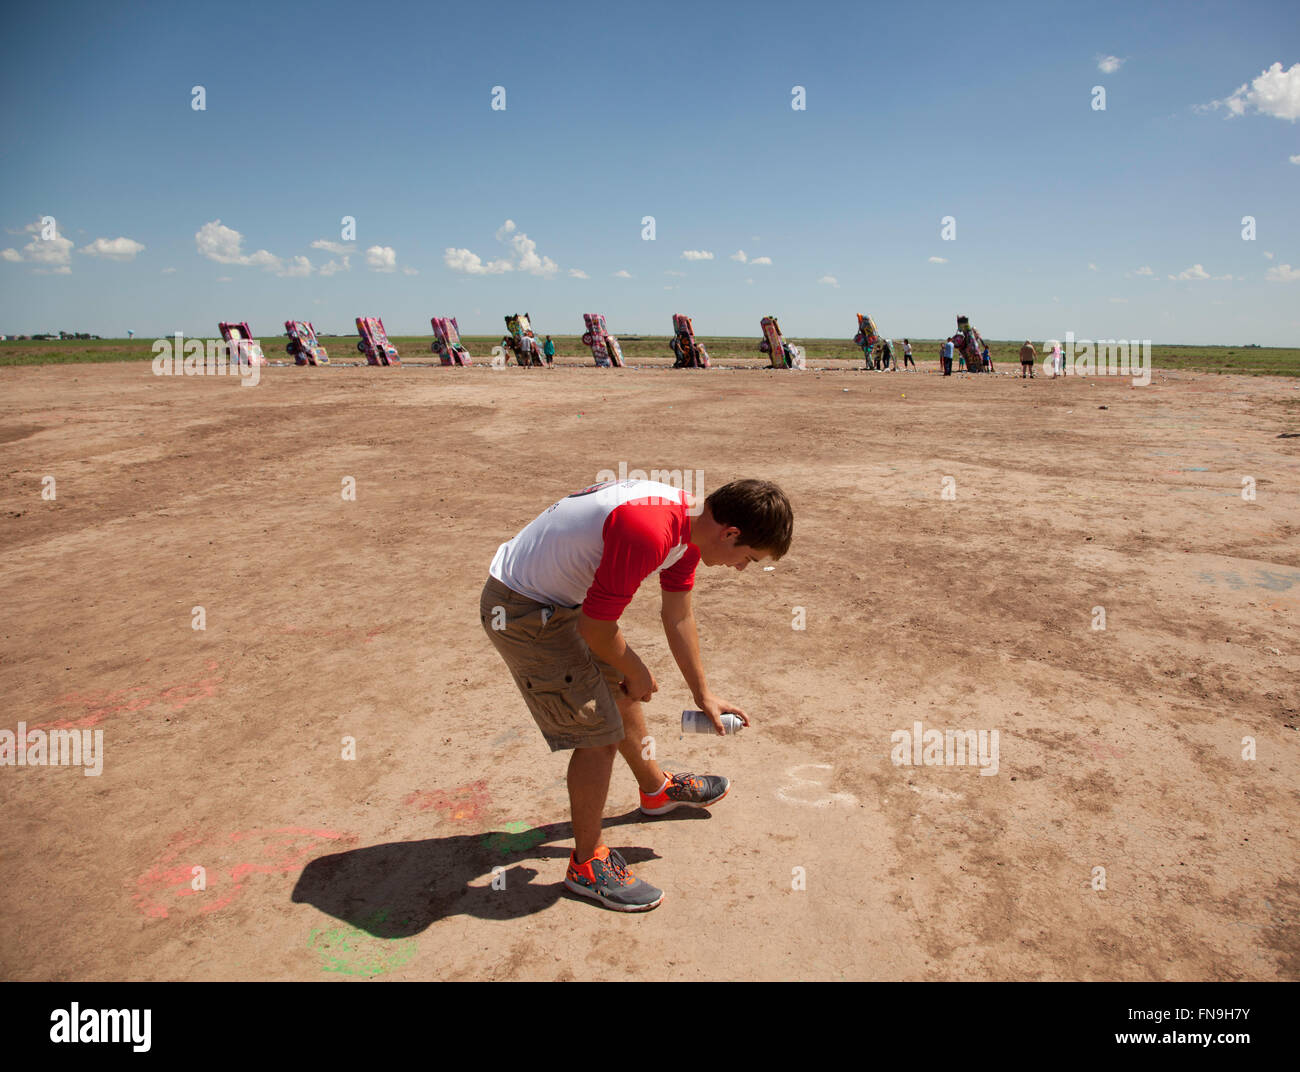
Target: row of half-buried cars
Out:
[521,343]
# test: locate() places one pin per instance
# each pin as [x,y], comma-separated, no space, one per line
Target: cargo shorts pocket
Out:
[566,701]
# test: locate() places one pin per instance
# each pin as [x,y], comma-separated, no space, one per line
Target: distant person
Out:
[907,355]
[945,357]
[1057,360]
[549,351]
[1027,357]
[887,355]
[984,355]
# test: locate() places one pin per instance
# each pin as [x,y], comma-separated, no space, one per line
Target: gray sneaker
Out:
[606,878]
[689,790]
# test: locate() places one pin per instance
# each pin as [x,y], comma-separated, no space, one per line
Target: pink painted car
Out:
[446,341]
[604,347]
[241,346]
[374,342]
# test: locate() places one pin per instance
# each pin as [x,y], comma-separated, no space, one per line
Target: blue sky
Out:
[1067,218]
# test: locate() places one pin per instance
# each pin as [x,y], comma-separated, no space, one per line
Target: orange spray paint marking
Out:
[167,886]
[464,803]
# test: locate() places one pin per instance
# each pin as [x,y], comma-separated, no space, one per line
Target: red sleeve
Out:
[680,576]
[637,538]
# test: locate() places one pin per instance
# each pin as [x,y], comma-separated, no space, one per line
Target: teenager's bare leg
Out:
[589,770]
[649,775]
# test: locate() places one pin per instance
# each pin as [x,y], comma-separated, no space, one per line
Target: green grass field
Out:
[1249,361]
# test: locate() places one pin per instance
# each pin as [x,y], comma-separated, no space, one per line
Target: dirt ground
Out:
[1124,835]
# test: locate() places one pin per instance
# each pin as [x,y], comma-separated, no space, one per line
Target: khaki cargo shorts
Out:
[569,691]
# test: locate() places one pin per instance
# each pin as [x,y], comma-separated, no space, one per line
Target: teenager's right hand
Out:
[640,684]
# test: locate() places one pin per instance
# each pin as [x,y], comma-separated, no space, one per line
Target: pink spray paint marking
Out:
[166,886]
[463,804]
[102,704]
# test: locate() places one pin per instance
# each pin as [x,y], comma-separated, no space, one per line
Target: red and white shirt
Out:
[595,547]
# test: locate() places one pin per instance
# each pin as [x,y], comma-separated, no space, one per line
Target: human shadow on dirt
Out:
[399,889]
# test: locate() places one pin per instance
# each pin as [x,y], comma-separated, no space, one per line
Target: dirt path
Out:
[329,619]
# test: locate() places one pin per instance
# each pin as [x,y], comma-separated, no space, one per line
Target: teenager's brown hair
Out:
[759,509]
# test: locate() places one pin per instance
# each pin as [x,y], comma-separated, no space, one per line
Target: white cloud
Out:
[527,259]
[54,255]
[223,279]
[263,259]
[381,259]
[1294,159]
[697,255]
[1268,256]
[578,273]
[296,268]
[1275,92]
[218,243]
[1092,267]
[938,260]
[1109,64]
[1194,272]
[622,273]
[167,271]
[115,249]
[829,280]
[224,245]
[339,248]
[330,267]
[406,270]
[671,272]
[1145,270]
[739,255]
[462,260]
[1282,273]
[761,260]
[750,282]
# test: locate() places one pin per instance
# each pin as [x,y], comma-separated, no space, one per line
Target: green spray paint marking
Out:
[516,837]
[354,951]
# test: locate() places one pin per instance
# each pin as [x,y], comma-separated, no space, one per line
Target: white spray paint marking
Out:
[935,792]
[807,785]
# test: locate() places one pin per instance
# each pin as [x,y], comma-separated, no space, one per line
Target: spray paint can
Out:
[699,722]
